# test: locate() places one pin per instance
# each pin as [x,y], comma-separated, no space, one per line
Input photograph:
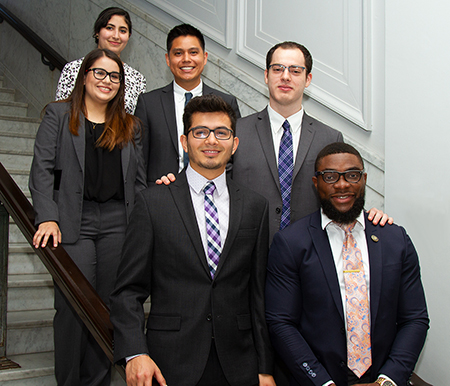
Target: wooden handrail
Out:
[49,56]
[78,291]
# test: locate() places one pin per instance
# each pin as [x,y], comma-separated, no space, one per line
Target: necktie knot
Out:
[209,188]
[187,97]
[348,228]
[286,126]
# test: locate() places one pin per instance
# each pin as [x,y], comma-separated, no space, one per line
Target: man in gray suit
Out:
[255,164]
[205,276]
[161,110]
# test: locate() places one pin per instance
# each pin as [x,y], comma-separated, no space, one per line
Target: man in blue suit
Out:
[309,306]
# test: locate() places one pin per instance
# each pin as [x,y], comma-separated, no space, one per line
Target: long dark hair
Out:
[119,126]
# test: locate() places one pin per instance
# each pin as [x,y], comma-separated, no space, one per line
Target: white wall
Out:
[417,153]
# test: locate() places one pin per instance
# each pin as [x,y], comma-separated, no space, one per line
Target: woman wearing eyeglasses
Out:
[112,30]
[86,170]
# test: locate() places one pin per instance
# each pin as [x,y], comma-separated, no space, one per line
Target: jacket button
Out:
[342,330]
[209,317]
[278,210]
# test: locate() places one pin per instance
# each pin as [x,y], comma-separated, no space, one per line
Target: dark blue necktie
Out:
[187,98]
[285,169]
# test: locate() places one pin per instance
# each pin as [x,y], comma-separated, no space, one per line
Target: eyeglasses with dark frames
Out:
[278,69]
[203,132]
[332,176]
[100,74]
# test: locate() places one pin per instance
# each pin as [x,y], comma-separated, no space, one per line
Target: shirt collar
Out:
[326,221]
[197,182]
[180,91]
[277,120]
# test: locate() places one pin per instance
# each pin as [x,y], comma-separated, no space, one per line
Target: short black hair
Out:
[106,15]
[184,30]
[291,46]
[209,103]
[337,148]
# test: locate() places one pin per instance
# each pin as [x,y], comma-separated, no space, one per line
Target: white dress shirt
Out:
[221,199]
[276,124]
[180,100]
[336,237]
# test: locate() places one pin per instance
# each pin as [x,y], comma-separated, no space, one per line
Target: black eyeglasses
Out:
[202,132]
[100,74]
[278,69]
[331,176]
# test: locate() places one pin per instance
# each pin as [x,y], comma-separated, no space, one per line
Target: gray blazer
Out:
[156,110]
[57,172]
[255,164]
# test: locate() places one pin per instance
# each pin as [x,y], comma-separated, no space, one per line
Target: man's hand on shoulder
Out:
[377,216]
[266,380]
[166,180]
[141,370]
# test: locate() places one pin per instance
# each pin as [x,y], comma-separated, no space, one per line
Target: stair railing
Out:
[49,56]
[75,287]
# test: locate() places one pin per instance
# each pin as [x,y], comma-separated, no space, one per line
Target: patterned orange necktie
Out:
[359,356]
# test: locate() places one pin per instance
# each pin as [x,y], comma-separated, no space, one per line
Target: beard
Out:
[343,217]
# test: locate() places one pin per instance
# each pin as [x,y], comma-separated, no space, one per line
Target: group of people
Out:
[338,299]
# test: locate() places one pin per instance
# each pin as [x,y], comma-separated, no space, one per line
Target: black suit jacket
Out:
[156,110]
[163,257]
[255,164]
[304,307]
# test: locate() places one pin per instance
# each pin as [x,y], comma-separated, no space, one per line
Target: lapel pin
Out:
[374,238]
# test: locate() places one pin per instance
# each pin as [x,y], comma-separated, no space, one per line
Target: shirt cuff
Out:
[133,356]
[328,383]
[386,377]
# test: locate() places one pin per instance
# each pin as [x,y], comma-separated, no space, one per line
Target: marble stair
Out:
[30,287]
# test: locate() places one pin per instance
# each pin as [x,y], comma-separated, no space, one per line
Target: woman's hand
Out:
[45,230]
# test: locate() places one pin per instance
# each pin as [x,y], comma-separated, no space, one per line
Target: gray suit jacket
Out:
[255,164]
[163,257]
[57,172]
[156,110]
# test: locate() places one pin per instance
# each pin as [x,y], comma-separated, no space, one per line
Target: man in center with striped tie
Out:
[199,248]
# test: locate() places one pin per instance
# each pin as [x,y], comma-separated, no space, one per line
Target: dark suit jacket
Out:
[163,257]
[304,307]
[156,110]
[57,172]
[255,164]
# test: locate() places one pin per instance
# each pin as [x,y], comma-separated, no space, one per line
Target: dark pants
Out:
[79,360]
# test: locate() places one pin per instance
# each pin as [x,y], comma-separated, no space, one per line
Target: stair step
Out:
[7,94]
[21,179]
[10,141]
[23,260]
[30,292]
[16,159]
[36,369]
[16,236]
[13,108]
[19,124]
[30,331]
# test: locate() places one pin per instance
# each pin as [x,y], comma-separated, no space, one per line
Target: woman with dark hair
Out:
[86,170]
[112,30]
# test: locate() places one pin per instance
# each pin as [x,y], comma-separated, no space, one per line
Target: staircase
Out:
[30,287]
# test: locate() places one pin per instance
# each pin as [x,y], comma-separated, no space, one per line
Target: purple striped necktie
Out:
[212,228]
[285,170]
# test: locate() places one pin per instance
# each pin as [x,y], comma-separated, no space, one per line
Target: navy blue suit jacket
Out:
[304,308]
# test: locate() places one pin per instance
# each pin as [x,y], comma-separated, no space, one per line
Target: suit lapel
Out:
[323,249]
[182,198]
[306,138]
[79,141]
[168,106]
[375,261]
[125,158]
[264,133]
[235,214]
